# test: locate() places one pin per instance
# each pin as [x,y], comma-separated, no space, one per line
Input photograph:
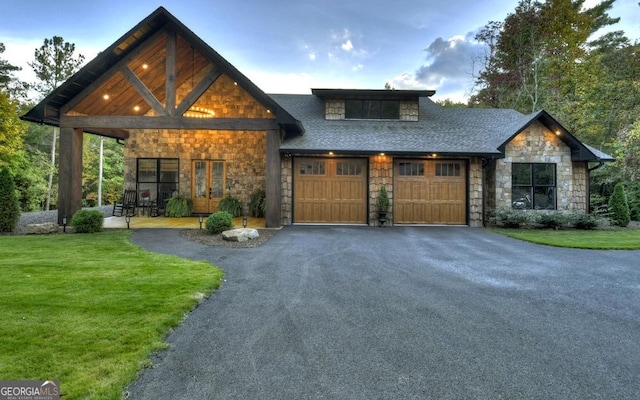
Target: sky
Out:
[292,46]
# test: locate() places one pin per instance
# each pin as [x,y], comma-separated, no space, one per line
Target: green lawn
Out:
[88,309]
[619,239]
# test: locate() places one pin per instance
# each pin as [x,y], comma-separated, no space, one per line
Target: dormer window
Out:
[372,109]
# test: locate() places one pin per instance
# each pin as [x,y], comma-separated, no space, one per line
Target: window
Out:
[156,176]
[533,186]
[312,168]
[411,169]
[217,178]
[348,168]
[372,109]
[447,169]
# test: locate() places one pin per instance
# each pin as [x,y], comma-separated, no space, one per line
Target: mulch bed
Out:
[202,236]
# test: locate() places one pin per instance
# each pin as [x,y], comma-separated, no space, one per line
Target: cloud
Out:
[347,46]
[449,67]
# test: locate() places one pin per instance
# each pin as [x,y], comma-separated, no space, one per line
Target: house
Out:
[191,123]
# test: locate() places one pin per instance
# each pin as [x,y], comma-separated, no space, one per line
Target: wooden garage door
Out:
[330,190]
[429,192]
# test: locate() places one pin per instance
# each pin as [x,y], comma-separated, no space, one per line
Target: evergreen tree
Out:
[54,63]
[9,206]
[619,207]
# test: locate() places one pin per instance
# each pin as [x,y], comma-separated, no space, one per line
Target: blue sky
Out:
[291,46]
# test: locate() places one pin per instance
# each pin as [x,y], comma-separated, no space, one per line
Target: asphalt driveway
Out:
[403,313]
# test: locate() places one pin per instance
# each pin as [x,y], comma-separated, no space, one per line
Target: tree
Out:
[113,170]
[8,82]
[9,207]
[619,207]
[12,132]
[54,63]
[536,56]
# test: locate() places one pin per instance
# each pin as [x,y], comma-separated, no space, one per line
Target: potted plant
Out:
[382,203]
[179,206]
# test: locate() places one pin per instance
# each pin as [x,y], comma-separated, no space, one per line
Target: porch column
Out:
[273,193]
[70,173]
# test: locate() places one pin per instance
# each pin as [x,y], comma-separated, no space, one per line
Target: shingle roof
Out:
[452,131]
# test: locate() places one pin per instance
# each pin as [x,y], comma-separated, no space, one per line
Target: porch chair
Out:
[127,206]
[160,205]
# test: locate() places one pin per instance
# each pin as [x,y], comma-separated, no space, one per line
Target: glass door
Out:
[208,179]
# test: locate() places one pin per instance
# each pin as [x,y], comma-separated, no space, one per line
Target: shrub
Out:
[382,202]
[179,206]
[510,218]
[584,221]
[257,204]
[9,204]
[633,197]
[551,220]
[87,221]
[619,207]
[232,205]
[219,222]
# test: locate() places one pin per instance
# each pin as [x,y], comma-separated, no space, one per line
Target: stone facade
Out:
[244,152]
[537,144]
[286,176]
[474,192]
[380,174]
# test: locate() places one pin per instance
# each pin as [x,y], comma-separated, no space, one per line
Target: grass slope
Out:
[89,309]
[622,239]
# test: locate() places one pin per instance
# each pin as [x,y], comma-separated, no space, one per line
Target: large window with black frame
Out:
[157,179]
[372,109]
[533,186]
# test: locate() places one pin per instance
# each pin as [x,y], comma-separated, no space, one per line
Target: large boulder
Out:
[41,229]
[240,234]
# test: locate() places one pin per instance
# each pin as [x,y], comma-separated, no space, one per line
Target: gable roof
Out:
[439,130]
[48,110]
[579,150]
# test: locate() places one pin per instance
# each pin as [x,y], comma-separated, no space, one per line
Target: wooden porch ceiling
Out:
[137,85]
[158,75]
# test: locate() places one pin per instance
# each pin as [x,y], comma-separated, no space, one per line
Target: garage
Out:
[430,192]
[330,190]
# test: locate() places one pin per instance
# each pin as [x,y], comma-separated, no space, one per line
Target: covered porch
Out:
[144,222]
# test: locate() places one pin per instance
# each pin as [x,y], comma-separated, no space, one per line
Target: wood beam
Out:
[166,122]
[69,173]
[198,91]
[172,44]
[105,76]
[273,192]
[143,90]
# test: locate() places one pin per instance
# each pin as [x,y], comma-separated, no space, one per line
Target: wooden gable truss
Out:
[153,78]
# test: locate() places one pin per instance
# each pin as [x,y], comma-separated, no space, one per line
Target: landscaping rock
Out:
[240,234]
[41,229]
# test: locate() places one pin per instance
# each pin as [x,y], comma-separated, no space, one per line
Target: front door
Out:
[207,185]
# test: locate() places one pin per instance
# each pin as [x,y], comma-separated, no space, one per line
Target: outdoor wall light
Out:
[244,222]
[127,218]
[200,218]
[64,224]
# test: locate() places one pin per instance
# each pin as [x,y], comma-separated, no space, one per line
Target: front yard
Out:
[605,239]
[88,310]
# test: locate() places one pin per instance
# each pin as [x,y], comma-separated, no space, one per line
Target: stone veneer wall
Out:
[244,153]
[380,173]
[537,144]
[286,175]
[334,110]
[475,192]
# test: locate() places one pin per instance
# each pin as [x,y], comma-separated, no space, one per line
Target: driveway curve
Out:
[403,313]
